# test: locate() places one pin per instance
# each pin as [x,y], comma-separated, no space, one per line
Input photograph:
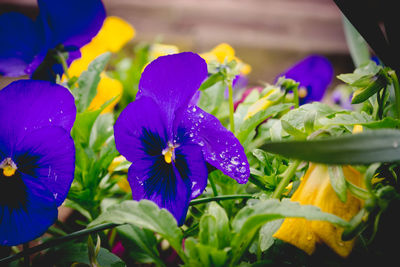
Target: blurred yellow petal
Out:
[315,189]
[245,69]
[328,201]
[225,53]
[124,184]
[113,35]
[158,50]
[116,161]
[122,180]
[261,104]
[357,128]
[107,89]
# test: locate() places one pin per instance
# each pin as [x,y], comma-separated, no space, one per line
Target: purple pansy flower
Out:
[24,43]
[37,157]
[314,73]
[169,141]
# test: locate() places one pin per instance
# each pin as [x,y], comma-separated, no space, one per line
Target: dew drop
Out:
[201,115]
[194,109]
[55,195]
[201,143]
[395,144]
[242,170]
[50,119]
[235,160]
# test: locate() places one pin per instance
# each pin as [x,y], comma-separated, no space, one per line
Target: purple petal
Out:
[191,164]
[171,81]
[18,226]
[71,22]
[163,186]
[220,147]
[20,41]
[313,73]
[53,152]
[140,129]
[28,105]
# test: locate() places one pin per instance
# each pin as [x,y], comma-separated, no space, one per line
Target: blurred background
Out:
[270,35]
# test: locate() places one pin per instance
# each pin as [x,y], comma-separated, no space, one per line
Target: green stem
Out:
[287,176]
[231,107]
[210,199]
[396,88]
[296,96]
[213,186]
[61,58]
[56,241]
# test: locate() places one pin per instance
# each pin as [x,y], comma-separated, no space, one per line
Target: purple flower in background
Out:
[169,141]
[37,157]
[314,73]
[65,25]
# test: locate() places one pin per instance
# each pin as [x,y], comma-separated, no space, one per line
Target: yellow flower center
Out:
[303,92]
[169,152]
[9,167]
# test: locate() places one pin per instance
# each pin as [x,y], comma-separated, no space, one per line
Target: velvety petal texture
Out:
[35,141]
[314,73]
[20,41]
[24,43]
[71,22]
[171,81]
[169,142]
[220,147]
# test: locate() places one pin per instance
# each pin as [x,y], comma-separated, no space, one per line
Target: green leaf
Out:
[144,214]
[309,122]
[297,134]
[212,98]
[364,148]
[250,124]
[378,82]
[200,255]
[83,126]
[370,68]
[141,244]
[222,224]
[208,231]
[68,253]
[338,181]
[298,116]
[102,129]
[358,47]
[248,220]
[267,230]
[88,81]
[210,81]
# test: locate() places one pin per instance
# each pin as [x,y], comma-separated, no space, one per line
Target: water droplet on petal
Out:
[235,160]
[201,115]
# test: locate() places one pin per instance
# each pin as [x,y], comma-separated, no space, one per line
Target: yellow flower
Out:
[225,53]
[107,89]
[315,189]
[113,35]
[262,104]
[122,180]
[158,50]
